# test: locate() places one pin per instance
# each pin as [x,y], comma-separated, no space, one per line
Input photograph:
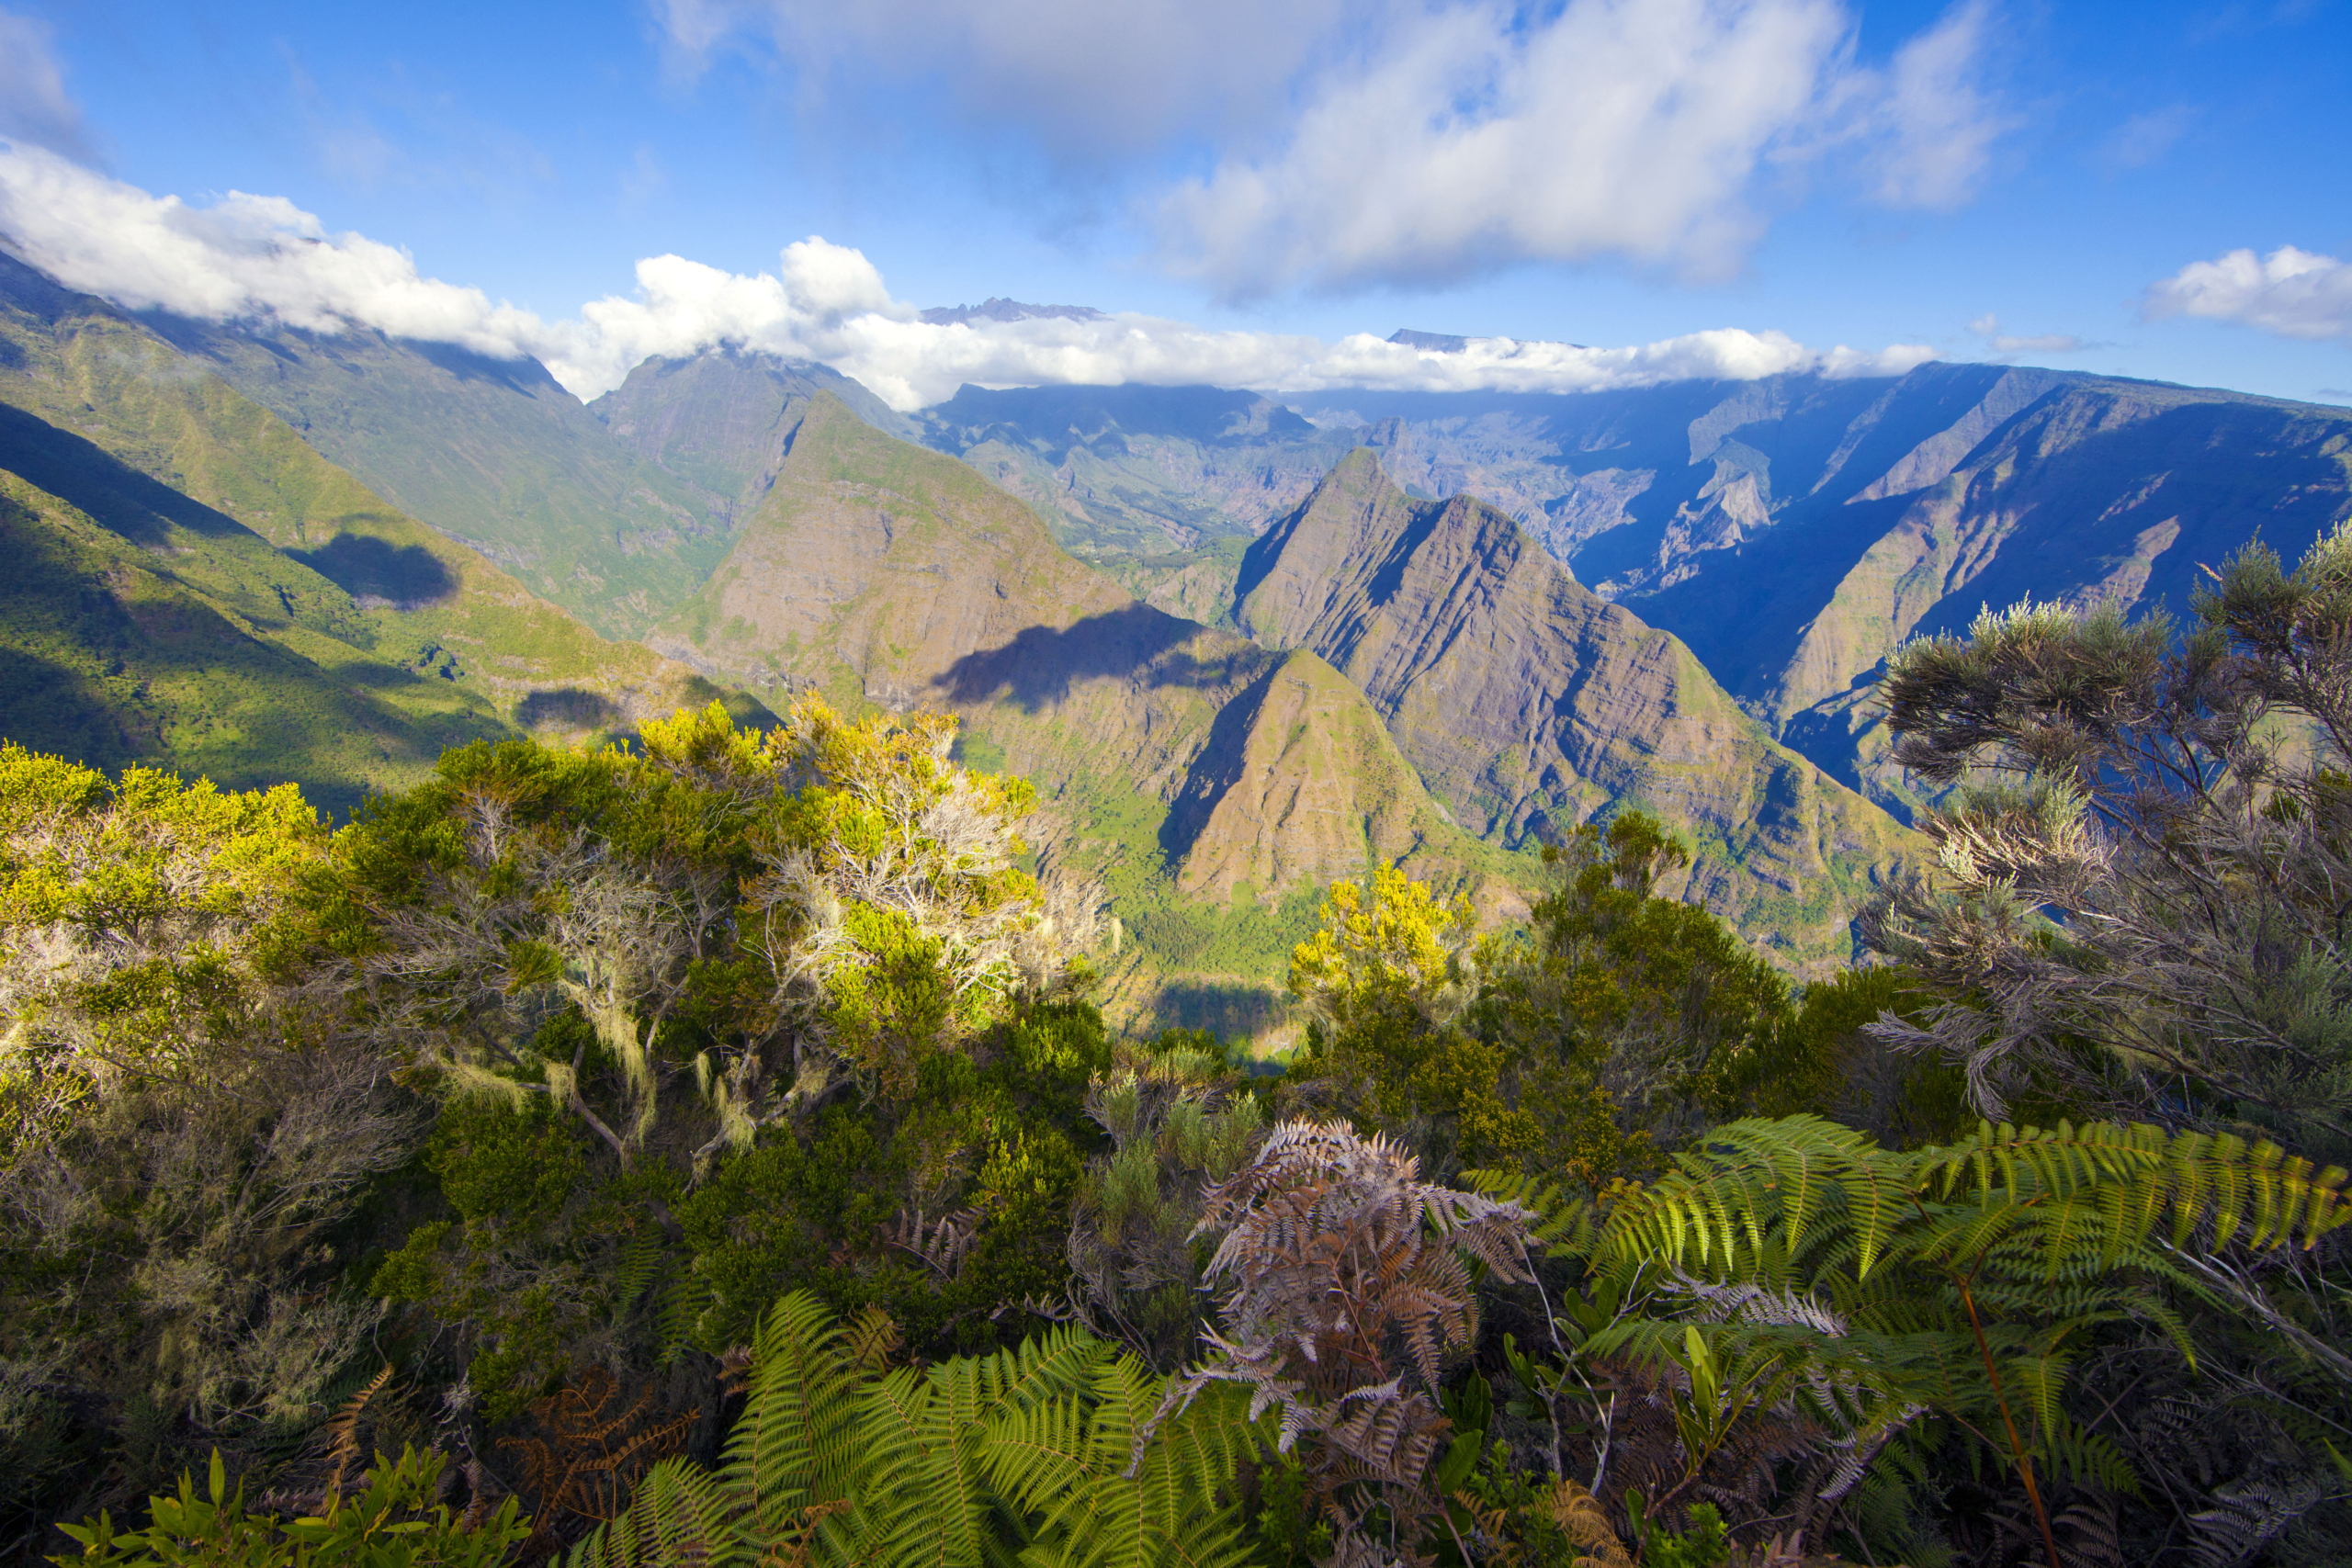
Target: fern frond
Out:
[641,1261]
[793,1445]
[343,1431]
[684,1298]
[681,1514]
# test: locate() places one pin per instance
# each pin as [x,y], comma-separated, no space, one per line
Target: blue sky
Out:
[1994,179]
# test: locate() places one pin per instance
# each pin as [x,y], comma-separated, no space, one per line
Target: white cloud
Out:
[1988,327]
[1938,121]
[250,256]
[1363,143]
[1092,80]
[1477,138]
[2291,292]
[33,103]
[244,255]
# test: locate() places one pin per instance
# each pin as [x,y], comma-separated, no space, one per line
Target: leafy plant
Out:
[2137,899]
[393,1522]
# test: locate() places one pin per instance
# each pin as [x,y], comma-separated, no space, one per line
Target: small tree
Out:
[831,899]
[2139,898]
[1615,1016]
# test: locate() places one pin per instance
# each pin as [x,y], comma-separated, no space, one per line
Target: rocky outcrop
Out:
[1527,703]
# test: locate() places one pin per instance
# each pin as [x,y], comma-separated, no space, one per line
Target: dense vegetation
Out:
[707,1152]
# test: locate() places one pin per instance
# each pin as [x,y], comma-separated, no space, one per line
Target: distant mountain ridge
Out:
[1773,538]
[877,571]
[999,310]
[1528,705]
[716,424]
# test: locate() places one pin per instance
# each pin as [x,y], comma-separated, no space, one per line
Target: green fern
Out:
[1794,1263]
[679,1514]
[1024,1454]
[684,1298]
[1073,1463]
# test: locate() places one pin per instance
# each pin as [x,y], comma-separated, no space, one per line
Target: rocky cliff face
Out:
[2073,490]
[1791,530]
[1527,703]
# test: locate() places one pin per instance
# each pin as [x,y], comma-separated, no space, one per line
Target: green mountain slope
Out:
[493,452]
[228,513]
[1171,754]
[109,656]
[1299,784]
[1527,703]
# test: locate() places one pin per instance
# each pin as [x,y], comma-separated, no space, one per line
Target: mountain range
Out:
[1789,531]
[1243,645]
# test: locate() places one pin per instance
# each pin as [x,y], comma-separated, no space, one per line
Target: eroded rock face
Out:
[2072,489]
[1527,703]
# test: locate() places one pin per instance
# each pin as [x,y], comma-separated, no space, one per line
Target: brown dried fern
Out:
[593,1449]
[343,1432]
[1346,1290]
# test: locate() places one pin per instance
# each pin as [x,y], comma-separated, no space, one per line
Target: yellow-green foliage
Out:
[1616,1014]
[134,915]
[738,1008]
[110,857]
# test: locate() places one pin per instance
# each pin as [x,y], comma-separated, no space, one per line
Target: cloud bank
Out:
[261,258]
[1365,142]
[2291,292]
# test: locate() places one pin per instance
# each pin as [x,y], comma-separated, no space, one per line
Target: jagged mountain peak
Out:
[1527,703]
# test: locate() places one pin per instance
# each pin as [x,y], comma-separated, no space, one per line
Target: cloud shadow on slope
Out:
[1040,665]
[370,570]
[110,491]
